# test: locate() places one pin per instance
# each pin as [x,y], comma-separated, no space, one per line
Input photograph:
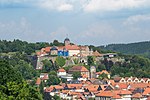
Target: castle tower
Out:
[92,72]
[67,41]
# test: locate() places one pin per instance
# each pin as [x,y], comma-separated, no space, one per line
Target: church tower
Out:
[67,41]
[92,72]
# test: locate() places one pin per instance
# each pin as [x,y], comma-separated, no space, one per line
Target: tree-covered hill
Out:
[142,48]
[23,46]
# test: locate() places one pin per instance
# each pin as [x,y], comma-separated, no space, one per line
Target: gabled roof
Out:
[146,91]
[92,88]
[103,71]
[137,95]
[49,89]
[117,79]
[61,70]
[78,68]
[97,54]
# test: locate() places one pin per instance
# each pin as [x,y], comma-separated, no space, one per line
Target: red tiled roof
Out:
[61,70]
[124,92]
[137,95]
[47,49]
[58,87]
[49,89]
[92,88]
[103,71]
[74,85]
[105,94]
[122,85]
[140,85]
[72,47]
[38,81]
[97,54]
[146,91]
[78,68]
[115,96]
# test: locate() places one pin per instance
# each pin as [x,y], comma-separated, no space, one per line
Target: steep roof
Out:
[97,54]
[146,91]
[78,69]
[103,71]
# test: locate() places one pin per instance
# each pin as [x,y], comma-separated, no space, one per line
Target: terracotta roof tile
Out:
[146,91]
[47,49]
[103,71]
[61,70]
[137,95]
[124,92]
[97,54]
[72,47]
[38,81]
[78,68]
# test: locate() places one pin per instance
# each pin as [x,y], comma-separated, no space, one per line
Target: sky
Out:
[85,22]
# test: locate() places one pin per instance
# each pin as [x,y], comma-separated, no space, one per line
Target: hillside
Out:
[142,48]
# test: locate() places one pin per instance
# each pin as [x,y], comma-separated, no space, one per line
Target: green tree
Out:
[56,97]
[90,60]
[101,67]
[76,75]
[12,85]
[103,76]
[53,73]
[26,70]
[60,61]
[47,65]
[53,80]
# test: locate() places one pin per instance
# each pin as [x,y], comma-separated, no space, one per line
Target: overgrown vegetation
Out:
[141,48]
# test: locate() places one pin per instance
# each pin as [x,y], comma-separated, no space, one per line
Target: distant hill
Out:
[142,48]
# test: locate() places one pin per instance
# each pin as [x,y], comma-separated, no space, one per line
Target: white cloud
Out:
[65,7]
[58,5]
[136,19]
[112,5]
[84,5]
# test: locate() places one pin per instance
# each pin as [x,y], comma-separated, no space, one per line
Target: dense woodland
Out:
[141,48]
[23,46]
[18,75]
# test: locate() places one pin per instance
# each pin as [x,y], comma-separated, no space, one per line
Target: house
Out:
[38,81]
[66,50]
[44,76]
[138,96]
[83,77]
[97,54]
[114,95]
[103,71]
[81,69]
[61,72]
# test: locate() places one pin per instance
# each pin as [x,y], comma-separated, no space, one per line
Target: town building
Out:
[84,71]
[67,50]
